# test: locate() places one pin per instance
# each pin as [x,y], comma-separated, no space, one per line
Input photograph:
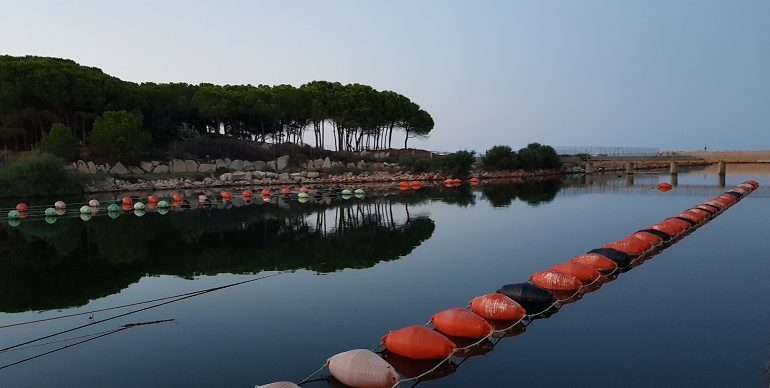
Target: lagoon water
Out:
[349,271]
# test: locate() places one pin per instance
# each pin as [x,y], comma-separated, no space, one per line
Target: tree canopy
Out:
[36,92]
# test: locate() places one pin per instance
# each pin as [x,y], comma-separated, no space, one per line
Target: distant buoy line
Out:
[140,205]
[512,305]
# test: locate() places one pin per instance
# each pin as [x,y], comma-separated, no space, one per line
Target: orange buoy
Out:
[668,228]
[152,200]
[127,201]
[178,197]
[127,207]
[226,195]
[21,207]
[694,217]
[556,281]
[596,261]
[303,189]
[418,342]
[665,186]
[708,208]
[416,185]
[403,188]
[474,180]
[285,191]
[457,181]
[247,193]
[265,192]
[717,204]
[727,198]
[497,306]
[403,183]
[630,246]
[678,223]
[582,272]
[648,238]
[460,322]
[362,368]
[753,183]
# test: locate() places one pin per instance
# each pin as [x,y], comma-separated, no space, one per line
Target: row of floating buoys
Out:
[128,204]
[406,185]
[516,302]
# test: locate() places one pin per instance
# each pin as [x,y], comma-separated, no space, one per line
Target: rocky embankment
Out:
[304,177]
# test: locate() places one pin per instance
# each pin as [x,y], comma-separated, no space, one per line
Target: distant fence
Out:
[608,151]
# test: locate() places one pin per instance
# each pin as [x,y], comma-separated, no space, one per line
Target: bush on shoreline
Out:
[38,174]
[457,164]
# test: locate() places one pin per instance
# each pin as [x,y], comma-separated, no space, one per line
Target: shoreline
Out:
[121,185]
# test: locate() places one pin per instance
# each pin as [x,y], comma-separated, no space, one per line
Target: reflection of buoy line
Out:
[518,305]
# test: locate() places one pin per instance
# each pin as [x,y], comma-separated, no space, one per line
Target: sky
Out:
[678,75]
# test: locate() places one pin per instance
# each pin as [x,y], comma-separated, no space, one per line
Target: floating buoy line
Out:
[140,205]
[512,307]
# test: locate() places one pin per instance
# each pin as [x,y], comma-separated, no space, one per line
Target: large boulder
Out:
[92,168]
[282,162]
[239,176]
[248,166]
[119,169]
[206,167]
[313,174]
[226,177]
[191,165]
[327,163]
[178,165]
[135,170]
[283,176]
[219,163]
[237,165]
[82,167]
[160,169]
[260,165]
[147,166]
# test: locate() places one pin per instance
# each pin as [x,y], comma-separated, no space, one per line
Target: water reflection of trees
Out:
[66,264]
[532,192]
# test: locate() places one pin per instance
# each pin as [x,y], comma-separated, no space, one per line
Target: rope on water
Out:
[187,296]
[92,337]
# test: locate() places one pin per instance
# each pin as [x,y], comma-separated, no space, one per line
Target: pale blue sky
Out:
[669,74]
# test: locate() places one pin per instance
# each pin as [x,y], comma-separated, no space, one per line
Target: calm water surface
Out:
[349,271]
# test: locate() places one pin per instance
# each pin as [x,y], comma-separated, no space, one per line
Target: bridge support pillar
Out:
[589,168]
[629,168]
[674,179]
[722,167]
[674,168]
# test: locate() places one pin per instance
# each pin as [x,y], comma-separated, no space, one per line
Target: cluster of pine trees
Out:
[38,92]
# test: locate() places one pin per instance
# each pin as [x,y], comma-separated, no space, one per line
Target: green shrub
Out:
[457,164]
[539,156]
[500,157]
[38,174]
[416,165]
[60,142]
[120,136]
